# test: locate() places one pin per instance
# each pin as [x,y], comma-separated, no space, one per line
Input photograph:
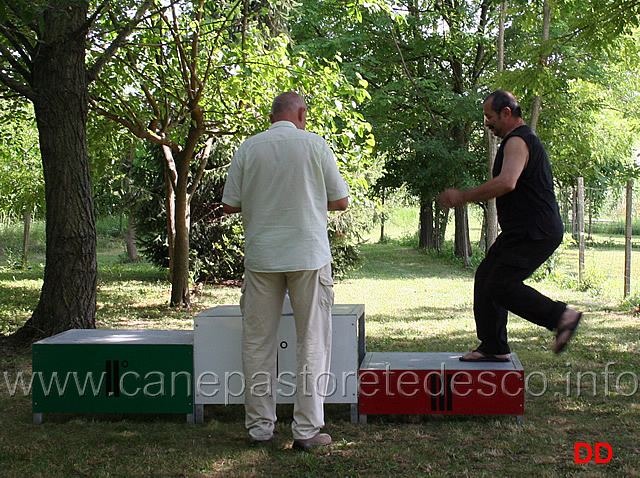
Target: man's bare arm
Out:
[338,205]
[516,156]
[230,209]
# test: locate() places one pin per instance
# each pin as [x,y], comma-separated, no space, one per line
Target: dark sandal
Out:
[485,357]
[571,329]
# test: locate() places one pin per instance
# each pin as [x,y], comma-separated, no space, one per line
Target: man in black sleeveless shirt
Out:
[531,229]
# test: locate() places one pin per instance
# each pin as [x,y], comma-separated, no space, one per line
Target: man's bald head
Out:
[289,106]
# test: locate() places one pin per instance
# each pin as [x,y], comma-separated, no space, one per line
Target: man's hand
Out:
[451,198]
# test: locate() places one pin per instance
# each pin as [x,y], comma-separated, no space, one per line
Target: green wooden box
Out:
[114,371]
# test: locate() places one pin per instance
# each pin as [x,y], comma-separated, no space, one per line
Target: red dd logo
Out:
[593,453]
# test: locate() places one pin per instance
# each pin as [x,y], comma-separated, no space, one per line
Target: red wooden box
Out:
[439,383]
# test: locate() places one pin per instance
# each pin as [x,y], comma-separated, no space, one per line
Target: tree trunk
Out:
[170,205]
[537,100]
[426,236]
[68,297]
[180,279]
[130,239]
[491,212]
[25,239]
[482,243]
[179,207]
[129,207]
[433,225]
[442,218]
[462,241]
[178,224]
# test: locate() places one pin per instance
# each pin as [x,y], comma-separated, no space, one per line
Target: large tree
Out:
[570,63]
[42,57]
[201,75]
[425,63]
[429,68]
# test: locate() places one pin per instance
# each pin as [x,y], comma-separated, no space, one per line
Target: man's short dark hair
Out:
[503,99]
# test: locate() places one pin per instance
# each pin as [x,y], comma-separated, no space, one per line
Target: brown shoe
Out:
[320,439]
[260,443]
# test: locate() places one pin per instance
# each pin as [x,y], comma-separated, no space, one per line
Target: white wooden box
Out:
[218,377]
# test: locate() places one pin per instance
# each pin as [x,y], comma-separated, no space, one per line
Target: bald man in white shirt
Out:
[283,181]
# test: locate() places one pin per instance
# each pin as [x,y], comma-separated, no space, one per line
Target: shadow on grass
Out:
[147,317]
[19,295]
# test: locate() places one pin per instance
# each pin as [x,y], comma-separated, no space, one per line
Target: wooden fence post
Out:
[580,224]
[627,239]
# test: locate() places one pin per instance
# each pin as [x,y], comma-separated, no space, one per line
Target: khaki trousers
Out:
[311,294]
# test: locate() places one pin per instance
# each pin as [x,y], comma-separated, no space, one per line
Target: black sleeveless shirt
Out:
[531,208]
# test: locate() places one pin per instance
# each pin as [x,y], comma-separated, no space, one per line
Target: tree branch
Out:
[125,105]
[18,87]
[19,69]
[204,155]
[182,55]
[17,11]
[95,70]
[410,76]
[172,171]
[19,40]
[91,20]
[207,72]
[195,49]
[141,133]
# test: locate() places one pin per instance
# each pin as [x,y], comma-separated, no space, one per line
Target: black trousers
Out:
[499,287]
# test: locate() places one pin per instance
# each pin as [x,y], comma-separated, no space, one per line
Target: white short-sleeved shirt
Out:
[282,179]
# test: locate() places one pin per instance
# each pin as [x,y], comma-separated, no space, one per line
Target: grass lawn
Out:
[414,302]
